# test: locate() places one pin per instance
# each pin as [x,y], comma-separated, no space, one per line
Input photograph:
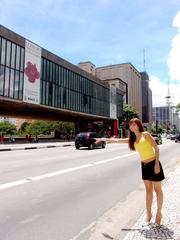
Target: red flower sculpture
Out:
[31,72]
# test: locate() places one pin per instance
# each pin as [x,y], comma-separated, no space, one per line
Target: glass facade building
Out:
[60,87]
[65,91]
[63,88]
[11,69]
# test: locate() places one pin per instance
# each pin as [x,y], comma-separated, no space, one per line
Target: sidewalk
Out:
[170,228]
[27,146]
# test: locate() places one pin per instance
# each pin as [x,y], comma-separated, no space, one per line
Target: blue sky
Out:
[106,32]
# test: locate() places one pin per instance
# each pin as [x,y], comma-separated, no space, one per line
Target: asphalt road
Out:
[60,193]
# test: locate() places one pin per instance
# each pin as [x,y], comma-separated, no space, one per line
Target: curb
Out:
[13,148]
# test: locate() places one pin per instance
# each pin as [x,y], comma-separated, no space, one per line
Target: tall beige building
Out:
[130,75]
[88,67]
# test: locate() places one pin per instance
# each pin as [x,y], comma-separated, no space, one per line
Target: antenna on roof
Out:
[144,61]
[168,104]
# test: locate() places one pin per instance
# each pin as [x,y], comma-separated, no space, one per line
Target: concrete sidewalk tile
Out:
[170,228]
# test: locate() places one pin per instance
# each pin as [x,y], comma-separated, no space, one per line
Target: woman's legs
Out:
[149,197]
[159,195]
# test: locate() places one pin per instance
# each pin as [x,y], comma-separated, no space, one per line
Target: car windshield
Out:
[83,134]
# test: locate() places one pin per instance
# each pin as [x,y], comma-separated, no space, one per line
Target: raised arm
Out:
[115,140]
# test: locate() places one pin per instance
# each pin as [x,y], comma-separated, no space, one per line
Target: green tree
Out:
[64,128]
[178,108]
[46,127]
[156,129]
[23,127]
[38,127]
[7,128]
[129,112]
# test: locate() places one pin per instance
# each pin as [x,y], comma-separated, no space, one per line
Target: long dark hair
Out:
[131,135]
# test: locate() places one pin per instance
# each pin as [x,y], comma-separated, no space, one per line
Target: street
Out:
[59,193]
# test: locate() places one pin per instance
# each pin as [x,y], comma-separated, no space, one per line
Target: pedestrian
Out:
[152,171]
[36,139]
[11,139]
[2,138]
[30,139]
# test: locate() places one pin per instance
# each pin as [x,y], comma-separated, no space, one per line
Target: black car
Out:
[87,139]
[177,138]
[157,138]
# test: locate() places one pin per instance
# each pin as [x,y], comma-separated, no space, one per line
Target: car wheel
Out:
[103,145]
[77,146]
[90,146]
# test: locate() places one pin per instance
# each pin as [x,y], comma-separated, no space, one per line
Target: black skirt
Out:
[148,172]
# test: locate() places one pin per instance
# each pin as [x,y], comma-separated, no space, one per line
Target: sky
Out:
[106,32]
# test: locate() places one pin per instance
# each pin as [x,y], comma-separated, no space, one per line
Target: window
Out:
[8,54]
[2,79]
[3,51]
[18,51]
[13,55]
[11,87]
[64,96]
[7,74]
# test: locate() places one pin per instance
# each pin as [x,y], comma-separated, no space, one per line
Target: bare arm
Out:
[114,140]
[118,140]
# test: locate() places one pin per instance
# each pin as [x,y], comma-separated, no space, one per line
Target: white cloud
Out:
[174,54]
[160,91]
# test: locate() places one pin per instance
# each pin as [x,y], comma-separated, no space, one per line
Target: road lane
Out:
[24,164]
[21,165]
[61,206]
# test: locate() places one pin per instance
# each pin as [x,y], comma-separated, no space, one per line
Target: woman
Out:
[152,172]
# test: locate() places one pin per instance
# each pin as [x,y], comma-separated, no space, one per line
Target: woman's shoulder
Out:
[146,134]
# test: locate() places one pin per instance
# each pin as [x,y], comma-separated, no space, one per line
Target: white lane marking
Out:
[12,184]
[36,178]
[59,172]
[112,159]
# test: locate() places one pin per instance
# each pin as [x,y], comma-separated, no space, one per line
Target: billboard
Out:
[31,90]
[113,106]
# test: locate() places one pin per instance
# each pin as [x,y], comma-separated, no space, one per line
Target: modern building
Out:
[88,67]
[176,121]
[145,97]
[163,115]
[138,93]
[128,73]
[37,84]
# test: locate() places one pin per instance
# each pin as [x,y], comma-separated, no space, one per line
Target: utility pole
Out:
[168,105]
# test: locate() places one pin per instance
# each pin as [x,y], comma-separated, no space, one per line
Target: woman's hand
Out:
[156,168]
[98,140]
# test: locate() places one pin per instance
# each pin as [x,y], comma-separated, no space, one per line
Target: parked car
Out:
[177,138]
[173,136]
[87,139]
[157,138]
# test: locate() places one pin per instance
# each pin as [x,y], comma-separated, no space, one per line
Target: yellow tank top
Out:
[144,148]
